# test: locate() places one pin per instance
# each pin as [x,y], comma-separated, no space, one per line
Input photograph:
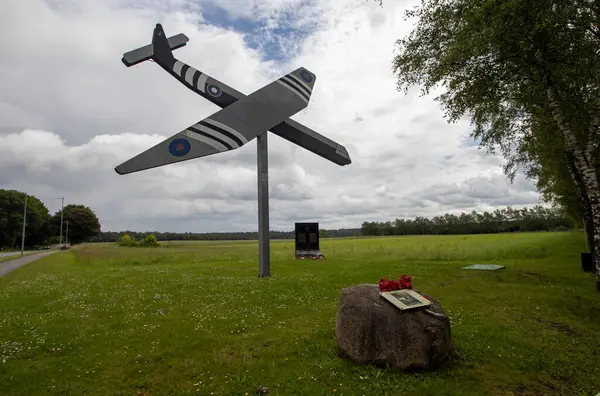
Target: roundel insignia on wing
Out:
[306,76]
[179,147]
[213,90]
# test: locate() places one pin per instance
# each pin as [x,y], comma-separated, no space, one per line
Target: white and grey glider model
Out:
[241,118]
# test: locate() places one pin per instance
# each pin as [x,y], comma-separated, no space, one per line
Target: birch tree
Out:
[544,159]
[506,65]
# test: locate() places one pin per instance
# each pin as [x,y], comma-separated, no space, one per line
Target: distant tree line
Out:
[42,228]
[537,218]
[113,236]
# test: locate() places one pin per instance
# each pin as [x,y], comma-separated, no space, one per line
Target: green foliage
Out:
[503,220]
[149,241]
[12,204]
[127,241]
[146,241]
[53,240]
[543,155]
[83,223]
[537,218]
[42,228]
[496,61]
[195,319]
[526,74]
[493,58]
[111,236]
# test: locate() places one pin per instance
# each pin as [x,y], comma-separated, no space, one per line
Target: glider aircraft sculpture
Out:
[241,119]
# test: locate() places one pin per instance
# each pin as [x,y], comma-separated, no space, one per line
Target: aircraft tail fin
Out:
[160,45]
[160,49]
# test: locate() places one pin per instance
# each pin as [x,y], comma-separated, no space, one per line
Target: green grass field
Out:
[193,318]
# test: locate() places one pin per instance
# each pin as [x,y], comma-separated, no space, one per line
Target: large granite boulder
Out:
[370,330]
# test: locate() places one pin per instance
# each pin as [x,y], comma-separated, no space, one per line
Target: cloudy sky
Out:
[70,111]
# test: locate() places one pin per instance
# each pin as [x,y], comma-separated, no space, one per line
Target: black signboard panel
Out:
[307,240]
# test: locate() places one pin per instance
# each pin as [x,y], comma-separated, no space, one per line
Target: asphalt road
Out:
[12,265]
[7,254]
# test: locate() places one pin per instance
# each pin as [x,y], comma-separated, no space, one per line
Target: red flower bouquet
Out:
[403,283]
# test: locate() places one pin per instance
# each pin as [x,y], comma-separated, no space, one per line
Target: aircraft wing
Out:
[232,126]
[223,96]
[161,51]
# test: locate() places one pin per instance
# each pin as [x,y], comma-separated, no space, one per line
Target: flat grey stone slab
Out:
[484,267]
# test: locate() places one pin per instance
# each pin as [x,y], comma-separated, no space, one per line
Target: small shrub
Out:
[149,241]
[127,241]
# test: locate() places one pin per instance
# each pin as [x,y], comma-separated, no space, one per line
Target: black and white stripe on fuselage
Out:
[216,134]
[192,77]
[298,87]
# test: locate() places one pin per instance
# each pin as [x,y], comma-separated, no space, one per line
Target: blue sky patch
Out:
[217,16]
[277,38]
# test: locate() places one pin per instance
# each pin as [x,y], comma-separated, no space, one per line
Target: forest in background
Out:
[538,218]
[79,222]
[508,219]
[43,228]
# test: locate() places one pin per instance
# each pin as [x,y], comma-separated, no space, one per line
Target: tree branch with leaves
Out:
[509,66]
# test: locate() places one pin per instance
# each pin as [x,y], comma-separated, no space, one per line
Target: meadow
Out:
[194,318]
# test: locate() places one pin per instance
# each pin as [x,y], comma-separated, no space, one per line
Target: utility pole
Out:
[62,212]
[62,207]
[24,223]
[67,234]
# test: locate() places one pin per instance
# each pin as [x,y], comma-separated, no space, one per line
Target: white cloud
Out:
[70,111]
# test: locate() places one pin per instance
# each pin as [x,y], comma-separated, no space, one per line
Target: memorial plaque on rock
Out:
[405,299]
[370,330]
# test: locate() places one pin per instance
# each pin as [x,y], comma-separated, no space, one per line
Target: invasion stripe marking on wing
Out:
[205,140]
[225,130]
[291,85]
[217,135]
[189,75]
[293,90]
[300,89]
[177,67]
[210,136]
[297,80]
